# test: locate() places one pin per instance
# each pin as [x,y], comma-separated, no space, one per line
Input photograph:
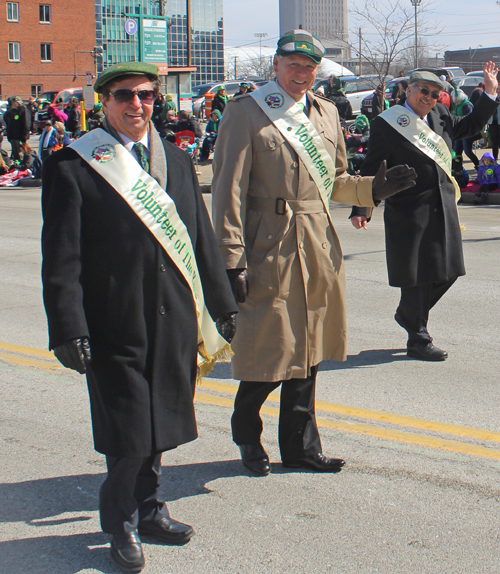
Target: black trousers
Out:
[298,431]
[414,307]
[129,495]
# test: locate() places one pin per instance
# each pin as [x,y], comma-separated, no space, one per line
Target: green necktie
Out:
[303,107]
[140,150]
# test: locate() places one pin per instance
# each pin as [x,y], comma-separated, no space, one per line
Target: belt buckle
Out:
[280,208]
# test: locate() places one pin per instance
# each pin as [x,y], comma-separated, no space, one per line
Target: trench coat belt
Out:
[280,205]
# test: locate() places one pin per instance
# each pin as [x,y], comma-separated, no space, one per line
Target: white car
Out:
[356,89]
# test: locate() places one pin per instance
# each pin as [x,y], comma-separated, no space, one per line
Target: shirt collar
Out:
[129,144]
[415,113]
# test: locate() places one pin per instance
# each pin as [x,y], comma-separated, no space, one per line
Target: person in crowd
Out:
[379,101]
[168,106]
[476,93]
[30,160]
[134,289]
[32,108]
[243,89]
[187,122]
[56,115]
[463,107]
[494,131]
[336,94]
[220,100]
[47,142]
[95,116]
[357,144]
[458,170]
[445,99]
[62,135]
[169,126]
[211,133]
[18,125]
[271,194]
[157,110]
[399,92]
[73,123]
[488,176]
[422,232]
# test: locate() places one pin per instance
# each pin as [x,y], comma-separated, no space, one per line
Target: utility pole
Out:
[235,69]
[360,43]
[260,35]
[416,3]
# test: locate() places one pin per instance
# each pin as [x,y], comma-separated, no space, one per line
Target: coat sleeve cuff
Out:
[364,192]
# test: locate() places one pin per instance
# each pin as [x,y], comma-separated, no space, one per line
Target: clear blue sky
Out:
[461,28]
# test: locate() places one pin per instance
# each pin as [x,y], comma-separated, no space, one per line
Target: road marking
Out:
[45,360]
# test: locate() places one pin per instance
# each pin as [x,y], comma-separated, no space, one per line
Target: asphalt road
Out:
[420,492]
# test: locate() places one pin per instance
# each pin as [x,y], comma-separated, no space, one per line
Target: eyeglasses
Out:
[122,96]
[425,91]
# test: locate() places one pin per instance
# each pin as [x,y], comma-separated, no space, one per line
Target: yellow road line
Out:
[28,351]
[49,362]
[399,420]
[373,431]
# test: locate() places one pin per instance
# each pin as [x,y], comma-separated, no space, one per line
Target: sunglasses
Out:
[425,91]
[122,96]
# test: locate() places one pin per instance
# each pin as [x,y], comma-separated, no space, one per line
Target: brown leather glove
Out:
[74,354]
[239,283]
[226,325]
[387,182]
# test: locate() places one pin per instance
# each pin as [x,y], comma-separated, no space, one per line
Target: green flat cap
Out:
[301,42]
[426,77]
[125,69]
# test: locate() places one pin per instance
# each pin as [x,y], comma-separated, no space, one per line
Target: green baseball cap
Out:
[125,69]
[301,42]
[426,77]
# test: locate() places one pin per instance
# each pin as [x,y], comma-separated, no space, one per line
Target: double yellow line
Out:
[386,426]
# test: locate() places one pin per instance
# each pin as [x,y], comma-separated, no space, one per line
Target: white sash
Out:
[417,132]
[157,210]
[300,133]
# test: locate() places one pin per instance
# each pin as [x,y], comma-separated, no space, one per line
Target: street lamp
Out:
[472,54]
[416,3]
[260,35]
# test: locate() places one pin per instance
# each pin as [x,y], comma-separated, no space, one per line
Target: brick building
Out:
[44,44]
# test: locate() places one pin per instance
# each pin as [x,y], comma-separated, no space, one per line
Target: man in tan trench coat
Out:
[282,254]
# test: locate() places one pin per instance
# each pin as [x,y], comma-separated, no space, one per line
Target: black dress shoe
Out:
[126,551]
[318,462]
[426,352]
[167,530]
[255,458]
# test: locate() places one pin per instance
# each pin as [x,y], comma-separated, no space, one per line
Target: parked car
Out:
[467,83]
[452,71]
[356,88]
[198,94]
[366,104]
[50,96]
[62,97]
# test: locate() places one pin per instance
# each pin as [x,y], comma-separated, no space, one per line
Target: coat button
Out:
[162,267]
[323,245]
[301,245]
[272,145]
[162,310]
[269,236]
[295,164]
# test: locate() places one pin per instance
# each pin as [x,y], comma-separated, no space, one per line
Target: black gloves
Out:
[226,325]
[74,354]
[387,182]
[239,283]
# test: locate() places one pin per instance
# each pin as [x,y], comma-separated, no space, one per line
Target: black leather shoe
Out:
[167,530]
[255,458]
[426,352]
[126,551]
[318,462]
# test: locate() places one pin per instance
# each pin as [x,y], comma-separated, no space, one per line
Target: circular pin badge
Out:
[104,153]
[403,120]
[275,101]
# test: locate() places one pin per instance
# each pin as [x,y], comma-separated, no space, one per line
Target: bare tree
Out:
[383,33]
[238,67]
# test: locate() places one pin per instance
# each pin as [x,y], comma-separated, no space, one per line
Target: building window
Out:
[36,90]
[12,12]
[46,52]
[14,51]
[45,13]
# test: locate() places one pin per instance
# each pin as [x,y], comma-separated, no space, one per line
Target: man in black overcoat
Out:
[422,231]
[120,310]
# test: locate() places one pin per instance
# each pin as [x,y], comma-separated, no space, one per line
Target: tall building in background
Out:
[206,46]
[327,19]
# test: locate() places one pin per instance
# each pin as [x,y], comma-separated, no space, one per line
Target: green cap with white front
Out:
[303,43]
